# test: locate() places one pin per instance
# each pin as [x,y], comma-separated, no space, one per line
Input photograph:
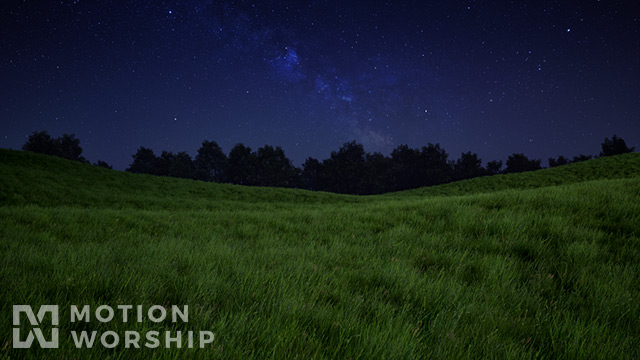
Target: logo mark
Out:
[34,320]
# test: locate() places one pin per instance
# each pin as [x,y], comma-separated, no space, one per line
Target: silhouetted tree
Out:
[144,162]
[581,157]
[41,142]
[378,173]
[434,163]
[241,166]
[69,147]
[175,165]
[494,167]
[211,162]
[614,146]
[561,160]
[408,171]
[182,166]
[469,165]
[66,146]
[520,163]
[163,163]
[103,164]
[345,169]
[311,174]
[273,168]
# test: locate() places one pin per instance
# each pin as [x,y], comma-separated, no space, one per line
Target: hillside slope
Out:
[37,179]
[30,178]
[545,273]
[613,167]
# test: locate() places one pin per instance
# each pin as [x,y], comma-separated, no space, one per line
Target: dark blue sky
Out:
[543,77]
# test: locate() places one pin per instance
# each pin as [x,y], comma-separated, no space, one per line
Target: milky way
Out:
[543,78]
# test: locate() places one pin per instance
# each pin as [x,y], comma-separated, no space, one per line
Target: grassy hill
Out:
[616,167]
[534,265]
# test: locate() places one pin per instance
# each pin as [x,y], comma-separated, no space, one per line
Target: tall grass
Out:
[545,272]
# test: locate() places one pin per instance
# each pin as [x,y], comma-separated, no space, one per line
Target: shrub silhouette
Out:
[614,146]
[520,163]
[66,146]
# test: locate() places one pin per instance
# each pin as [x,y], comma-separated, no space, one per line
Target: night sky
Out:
[541,77]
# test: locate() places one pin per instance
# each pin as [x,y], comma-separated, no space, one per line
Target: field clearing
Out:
[532,265]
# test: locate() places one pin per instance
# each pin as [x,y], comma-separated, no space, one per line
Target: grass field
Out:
[533,265]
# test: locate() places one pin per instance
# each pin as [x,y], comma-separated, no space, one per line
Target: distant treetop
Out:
[66,146]
[615,146]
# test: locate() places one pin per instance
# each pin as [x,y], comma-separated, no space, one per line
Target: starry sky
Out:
[540,77]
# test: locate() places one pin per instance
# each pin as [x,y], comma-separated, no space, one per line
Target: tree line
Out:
[348,170]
